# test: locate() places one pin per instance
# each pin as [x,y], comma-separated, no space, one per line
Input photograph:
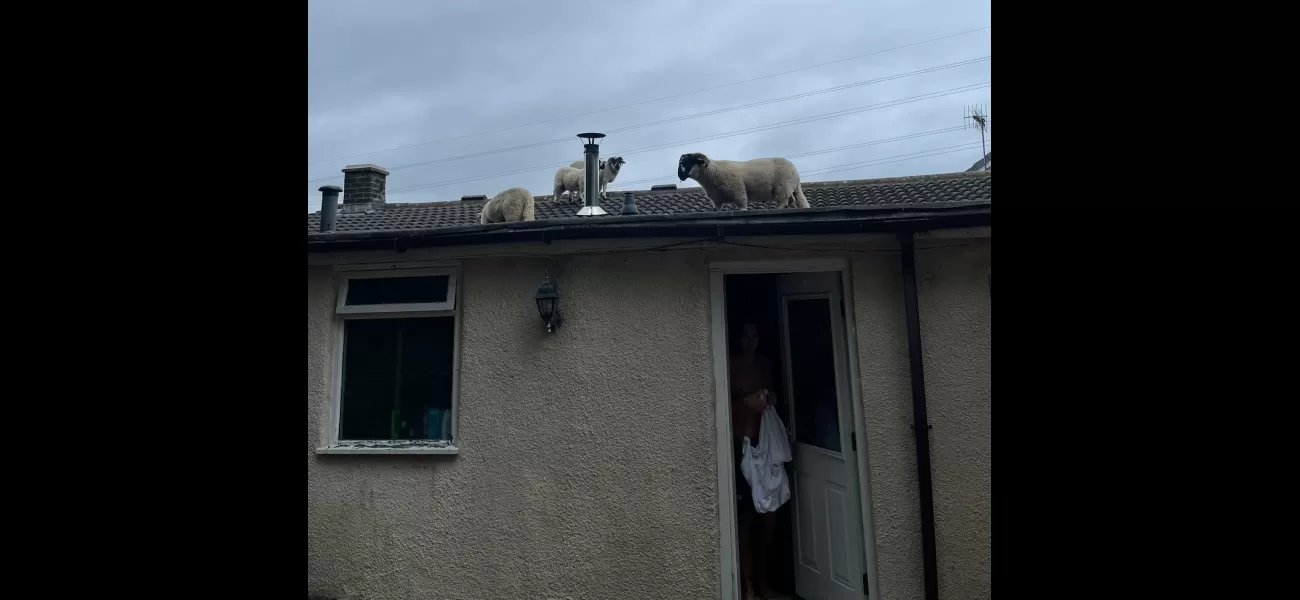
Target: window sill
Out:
[442,448]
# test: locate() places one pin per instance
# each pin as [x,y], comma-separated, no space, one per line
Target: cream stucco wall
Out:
[587,465]
[956,332]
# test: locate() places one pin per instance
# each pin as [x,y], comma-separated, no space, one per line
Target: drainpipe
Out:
[922,424]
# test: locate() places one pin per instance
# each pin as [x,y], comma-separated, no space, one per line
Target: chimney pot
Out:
[629,204]
[364,184]
[329,206]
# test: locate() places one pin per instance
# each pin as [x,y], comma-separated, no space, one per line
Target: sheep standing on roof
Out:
[572,178]
[741,182]
[514,204]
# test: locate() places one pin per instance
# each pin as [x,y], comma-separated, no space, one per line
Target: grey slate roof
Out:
[928,190]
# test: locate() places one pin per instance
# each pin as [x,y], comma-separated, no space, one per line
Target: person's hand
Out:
[757,401]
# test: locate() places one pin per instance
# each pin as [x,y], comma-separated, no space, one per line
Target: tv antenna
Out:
[977,117]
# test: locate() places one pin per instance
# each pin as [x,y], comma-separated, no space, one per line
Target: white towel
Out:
[763,466]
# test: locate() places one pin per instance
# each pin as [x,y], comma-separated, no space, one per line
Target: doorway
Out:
[813,546]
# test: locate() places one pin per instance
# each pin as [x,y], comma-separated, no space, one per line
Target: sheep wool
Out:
[514,204]
[741,182]
[572,179]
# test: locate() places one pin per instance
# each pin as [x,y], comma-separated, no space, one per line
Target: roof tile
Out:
[952,188]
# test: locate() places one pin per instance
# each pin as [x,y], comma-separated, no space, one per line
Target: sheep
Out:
[569,179]
[607,175]
[741,182]
[514,204]
[572,179]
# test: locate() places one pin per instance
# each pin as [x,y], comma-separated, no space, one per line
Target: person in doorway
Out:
[751,394]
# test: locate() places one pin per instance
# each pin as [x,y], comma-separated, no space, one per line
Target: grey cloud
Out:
[389,73]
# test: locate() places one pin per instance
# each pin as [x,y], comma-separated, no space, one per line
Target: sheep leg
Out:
[800,200]
[559,189]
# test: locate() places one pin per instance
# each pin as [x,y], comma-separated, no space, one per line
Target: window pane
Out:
[812,370]
[397,379]
[397,290]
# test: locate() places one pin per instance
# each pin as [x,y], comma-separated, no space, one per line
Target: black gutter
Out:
[838,220]
[921,427]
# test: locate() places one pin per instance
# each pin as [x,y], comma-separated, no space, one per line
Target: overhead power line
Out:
[567,140]
[777,125]
[792,122]
[882,161]
[699,91]
[802,174]
[822,151]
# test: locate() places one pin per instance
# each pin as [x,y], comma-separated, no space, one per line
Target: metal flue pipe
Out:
[591,153]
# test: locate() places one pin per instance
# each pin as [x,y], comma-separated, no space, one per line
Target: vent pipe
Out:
[591,154]
[329,206]
[629,204]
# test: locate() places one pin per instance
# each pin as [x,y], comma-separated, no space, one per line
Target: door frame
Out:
[728,568]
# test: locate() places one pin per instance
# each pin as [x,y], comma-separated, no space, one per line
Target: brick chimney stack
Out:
[364,184]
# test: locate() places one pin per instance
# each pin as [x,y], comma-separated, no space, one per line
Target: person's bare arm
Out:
[770,393]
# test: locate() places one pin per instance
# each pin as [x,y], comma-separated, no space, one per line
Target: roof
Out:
[430,218]
[981,163]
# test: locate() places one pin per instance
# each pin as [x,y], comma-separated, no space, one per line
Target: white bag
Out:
[763,466]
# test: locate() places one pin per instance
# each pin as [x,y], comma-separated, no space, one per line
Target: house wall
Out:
[596,444]
[586,465]
[954,293]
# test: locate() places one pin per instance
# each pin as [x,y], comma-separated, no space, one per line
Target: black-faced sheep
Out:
[741,182]
[514,204]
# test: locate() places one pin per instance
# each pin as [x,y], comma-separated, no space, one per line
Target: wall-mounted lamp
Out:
[548,304]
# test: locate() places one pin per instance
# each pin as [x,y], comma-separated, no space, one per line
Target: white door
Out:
[827,515]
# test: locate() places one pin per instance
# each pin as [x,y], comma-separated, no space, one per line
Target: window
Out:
[395,362]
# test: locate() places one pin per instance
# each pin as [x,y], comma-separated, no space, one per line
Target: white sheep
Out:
[514,204]
[572,178]
[741,182]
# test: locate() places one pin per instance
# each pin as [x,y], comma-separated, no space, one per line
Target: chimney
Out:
[472,198]
[329,207]
[666,186]
[629,204]
[364,184]
[591,153]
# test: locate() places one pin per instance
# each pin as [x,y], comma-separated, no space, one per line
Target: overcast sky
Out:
[385,78]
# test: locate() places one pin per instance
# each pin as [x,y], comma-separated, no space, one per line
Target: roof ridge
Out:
[616,195]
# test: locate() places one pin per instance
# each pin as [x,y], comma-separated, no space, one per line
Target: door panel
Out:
[828,564]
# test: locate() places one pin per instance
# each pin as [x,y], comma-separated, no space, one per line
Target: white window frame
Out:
[343,313]
[446,306]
